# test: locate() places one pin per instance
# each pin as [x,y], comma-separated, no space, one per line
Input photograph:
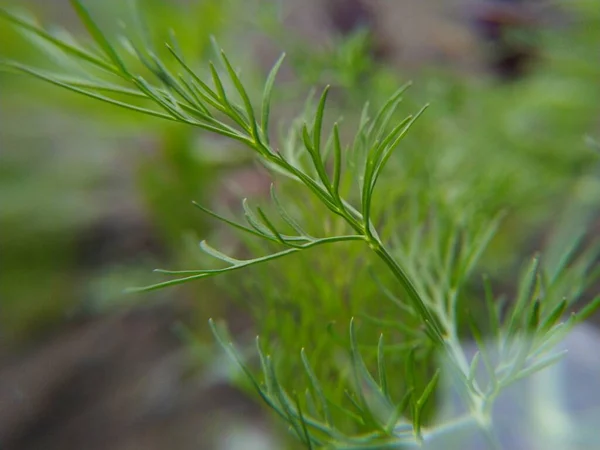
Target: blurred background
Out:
[92,197]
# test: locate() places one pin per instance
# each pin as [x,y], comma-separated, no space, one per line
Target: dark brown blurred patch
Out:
[348,16]
[111,383]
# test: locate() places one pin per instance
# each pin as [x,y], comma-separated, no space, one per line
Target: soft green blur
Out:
[74,169]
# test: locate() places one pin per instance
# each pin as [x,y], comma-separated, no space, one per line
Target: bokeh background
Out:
[92,198]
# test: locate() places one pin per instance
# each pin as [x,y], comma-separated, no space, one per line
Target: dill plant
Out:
[413,248]
[172,164]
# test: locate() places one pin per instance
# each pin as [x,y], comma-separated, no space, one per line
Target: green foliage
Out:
[58,161]
[484,148]
[404,256]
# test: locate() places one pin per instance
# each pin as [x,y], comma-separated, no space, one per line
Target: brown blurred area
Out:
[121,380]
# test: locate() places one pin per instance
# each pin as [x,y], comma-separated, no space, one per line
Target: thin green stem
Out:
[429,319]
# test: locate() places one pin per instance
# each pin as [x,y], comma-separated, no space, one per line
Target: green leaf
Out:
[554,316]
[162,100]
[286,405]
[57,82]
[381,119]
[69,49]
[410,368]
[421,402]
[394,324]
[383,385]
[286,217]
[269,382]
[193,275]
[310,403]
[534,317]
[400,409]
[371,167]
[316,387]
[219,88]
[217,254]
[244,95]
[483,351]
[231,223]
[588,310]
[363,377]
[493,314]
[207,94]
[539,365]
[307,438]
[316,159]
[337,162]
[525,292]
[318,122]
[255,223]
[481,242]
[98,36]
[388,149]
[234,355]
[273,230]
[473,367]
[266,98]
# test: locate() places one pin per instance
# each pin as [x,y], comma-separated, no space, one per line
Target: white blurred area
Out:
[558,408]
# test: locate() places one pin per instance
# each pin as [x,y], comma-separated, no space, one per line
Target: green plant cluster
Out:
[401,251]
[62,165]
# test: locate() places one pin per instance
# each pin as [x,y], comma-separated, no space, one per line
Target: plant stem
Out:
[430,320]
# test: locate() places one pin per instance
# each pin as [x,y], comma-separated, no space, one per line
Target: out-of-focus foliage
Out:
[60,153]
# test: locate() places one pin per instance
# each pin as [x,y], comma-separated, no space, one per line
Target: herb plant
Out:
[419,257]
[165,166]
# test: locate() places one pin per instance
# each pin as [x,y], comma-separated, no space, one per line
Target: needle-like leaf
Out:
[316,387]
[66,47]
[266,98]
[98,35]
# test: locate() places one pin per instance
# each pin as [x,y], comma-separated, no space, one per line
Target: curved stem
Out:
[429,319]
